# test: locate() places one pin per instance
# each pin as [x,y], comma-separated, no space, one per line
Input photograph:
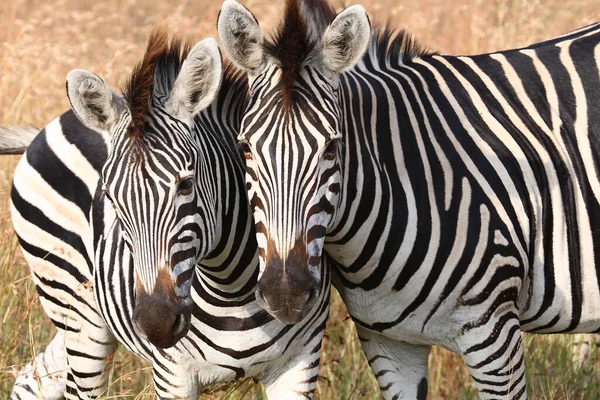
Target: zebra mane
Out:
[390,44]
[303,25]
[291,44]
[318,14]
[234,81]
[153,76]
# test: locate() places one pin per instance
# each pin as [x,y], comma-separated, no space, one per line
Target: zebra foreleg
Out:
[173,377]
[45,376]
[493,353]
[89,355]
[401,369]
[296,379]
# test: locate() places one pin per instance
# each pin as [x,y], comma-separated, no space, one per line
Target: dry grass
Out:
[41,41]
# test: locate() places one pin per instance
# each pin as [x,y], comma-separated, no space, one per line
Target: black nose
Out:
[161,318]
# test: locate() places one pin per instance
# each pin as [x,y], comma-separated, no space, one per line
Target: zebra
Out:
[131,211]
[457,197]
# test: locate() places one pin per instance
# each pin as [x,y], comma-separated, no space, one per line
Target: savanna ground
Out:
[41,41]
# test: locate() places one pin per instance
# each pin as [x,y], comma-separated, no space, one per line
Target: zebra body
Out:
[457,195]
[86,270]
[502,148]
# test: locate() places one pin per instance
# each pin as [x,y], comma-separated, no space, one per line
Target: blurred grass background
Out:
[41,41]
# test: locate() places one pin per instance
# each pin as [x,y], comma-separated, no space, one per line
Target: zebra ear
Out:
[346,39]
[94,103]
[199,79]
[241,37]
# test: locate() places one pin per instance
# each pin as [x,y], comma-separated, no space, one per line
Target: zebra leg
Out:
[89,354]
[401,369]
[493,353]
[45,376]
[295,379]
[71,306]
[173,376]
[89,344]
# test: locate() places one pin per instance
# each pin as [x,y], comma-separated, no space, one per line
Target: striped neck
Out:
[230,268]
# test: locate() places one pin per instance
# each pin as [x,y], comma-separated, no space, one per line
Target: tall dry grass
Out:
[41,41]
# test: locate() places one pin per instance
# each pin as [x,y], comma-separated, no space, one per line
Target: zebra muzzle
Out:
[160,318]
[287,295]
[286,311]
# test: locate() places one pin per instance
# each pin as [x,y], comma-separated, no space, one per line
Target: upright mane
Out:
[153,76]
[318,15]
[396,45]
[291,44]
[303,25]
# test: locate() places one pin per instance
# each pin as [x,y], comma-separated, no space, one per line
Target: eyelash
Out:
[330,150]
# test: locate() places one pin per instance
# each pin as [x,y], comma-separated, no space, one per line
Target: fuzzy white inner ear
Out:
[199,79]
[346,39]
[241,36]
[94,103]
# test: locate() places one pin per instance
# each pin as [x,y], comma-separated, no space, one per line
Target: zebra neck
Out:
[439,140]
[396,174]
[231,268]
[231,265]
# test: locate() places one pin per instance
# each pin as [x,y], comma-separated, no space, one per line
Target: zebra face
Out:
[293,204]
[291,138]
[168,223]
[155,178]
[164,215]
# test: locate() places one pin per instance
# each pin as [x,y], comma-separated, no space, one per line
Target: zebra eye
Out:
[330,150]
[185,186]
[244,149]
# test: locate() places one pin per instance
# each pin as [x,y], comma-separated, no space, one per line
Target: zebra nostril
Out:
[260,298]
[179,325]
[312,296]
[138,330]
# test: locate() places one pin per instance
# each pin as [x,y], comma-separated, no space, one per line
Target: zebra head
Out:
[291,137]
[155,175]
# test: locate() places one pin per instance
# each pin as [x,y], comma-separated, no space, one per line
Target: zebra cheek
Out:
[182,276]
[183,289]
